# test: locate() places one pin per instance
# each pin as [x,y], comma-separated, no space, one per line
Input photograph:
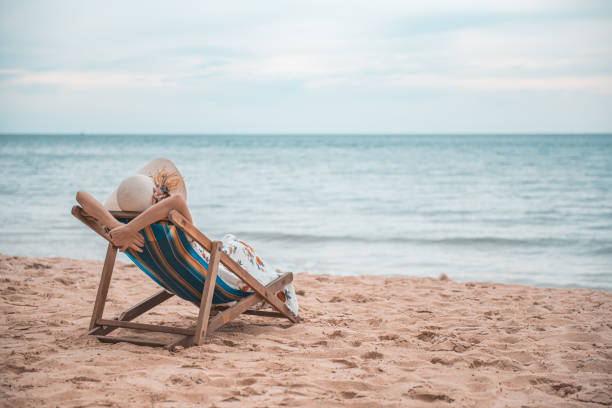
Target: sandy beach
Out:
[365,342]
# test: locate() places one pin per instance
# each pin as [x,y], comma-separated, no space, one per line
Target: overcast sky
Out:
[306,66]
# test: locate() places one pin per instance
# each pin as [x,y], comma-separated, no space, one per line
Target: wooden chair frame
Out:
[210,316]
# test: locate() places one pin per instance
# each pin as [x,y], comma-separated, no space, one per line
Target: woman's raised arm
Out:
[124,233]
[94,209]
[126,236]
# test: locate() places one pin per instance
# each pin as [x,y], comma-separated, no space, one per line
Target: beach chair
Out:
[169,259]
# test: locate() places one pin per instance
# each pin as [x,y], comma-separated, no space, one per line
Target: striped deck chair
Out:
[169,259]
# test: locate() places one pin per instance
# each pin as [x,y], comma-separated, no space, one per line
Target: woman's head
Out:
[139,192]
[164,179]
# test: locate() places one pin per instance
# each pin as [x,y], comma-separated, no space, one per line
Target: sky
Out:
[441,66]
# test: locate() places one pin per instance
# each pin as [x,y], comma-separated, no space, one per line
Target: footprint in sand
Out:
[336,334]
[553,387]
[180,380]
[388,337]
[346,363]
[247,381]
[20,369]
[428,336]
[439,360]
[427,395]
[248,391]
[360,299]
[82,378]
[372,355]
[374,322]
[37,265]
[502,364]
[64,281]
[565,389]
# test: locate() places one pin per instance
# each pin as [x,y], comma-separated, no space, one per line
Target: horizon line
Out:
[574,133]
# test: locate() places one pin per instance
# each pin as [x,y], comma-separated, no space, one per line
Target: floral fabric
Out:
[245,256]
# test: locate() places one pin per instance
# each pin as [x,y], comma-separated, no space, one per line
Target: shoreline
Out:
[365,341]
[543,285]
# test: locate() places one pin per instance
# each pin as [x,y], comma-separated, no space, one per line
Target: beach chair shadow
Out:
[169,260]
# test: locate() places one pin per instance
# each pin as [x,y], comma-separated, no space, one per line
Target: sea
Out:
[528,209]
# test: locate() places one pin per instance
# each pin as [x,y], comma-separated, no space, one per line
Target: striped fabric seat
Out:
[170,260]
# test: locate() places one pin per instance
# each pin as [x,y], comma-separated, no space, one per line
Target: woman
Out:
[157,189]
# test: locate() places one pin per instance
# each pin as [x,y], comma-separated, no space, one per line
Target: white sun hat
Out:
[135,192]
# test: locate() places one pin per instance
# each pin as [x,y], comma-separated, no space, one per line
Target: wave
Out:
[602,251]
[448,241]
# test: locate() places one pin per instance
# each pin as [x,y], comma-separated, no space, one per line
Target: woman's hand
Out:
[126,238]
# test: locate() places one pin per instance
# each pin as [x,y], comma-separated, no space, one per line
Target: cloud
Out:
[597,84]
[83,80]
[290,55]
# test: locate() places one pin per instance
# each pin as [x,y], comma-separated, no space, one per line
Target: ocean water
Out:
[531,209]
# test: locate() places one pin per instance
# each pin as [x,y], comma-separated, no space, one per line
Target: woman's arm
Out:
[96,210]
[93,208]
[160,210]
[123,233]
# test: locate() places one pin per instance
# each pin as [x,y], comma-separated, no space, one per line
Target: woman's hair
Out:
[166,181]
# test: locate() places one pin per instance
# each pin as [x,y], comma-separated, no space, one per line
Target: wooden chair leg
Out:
[207,293]
[107,272]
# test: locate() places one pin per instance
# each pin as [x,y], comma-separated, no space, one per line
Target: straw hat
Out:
[136,191]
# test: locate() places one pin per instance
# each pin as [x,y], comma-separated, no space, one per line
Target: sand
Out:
[365,342]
